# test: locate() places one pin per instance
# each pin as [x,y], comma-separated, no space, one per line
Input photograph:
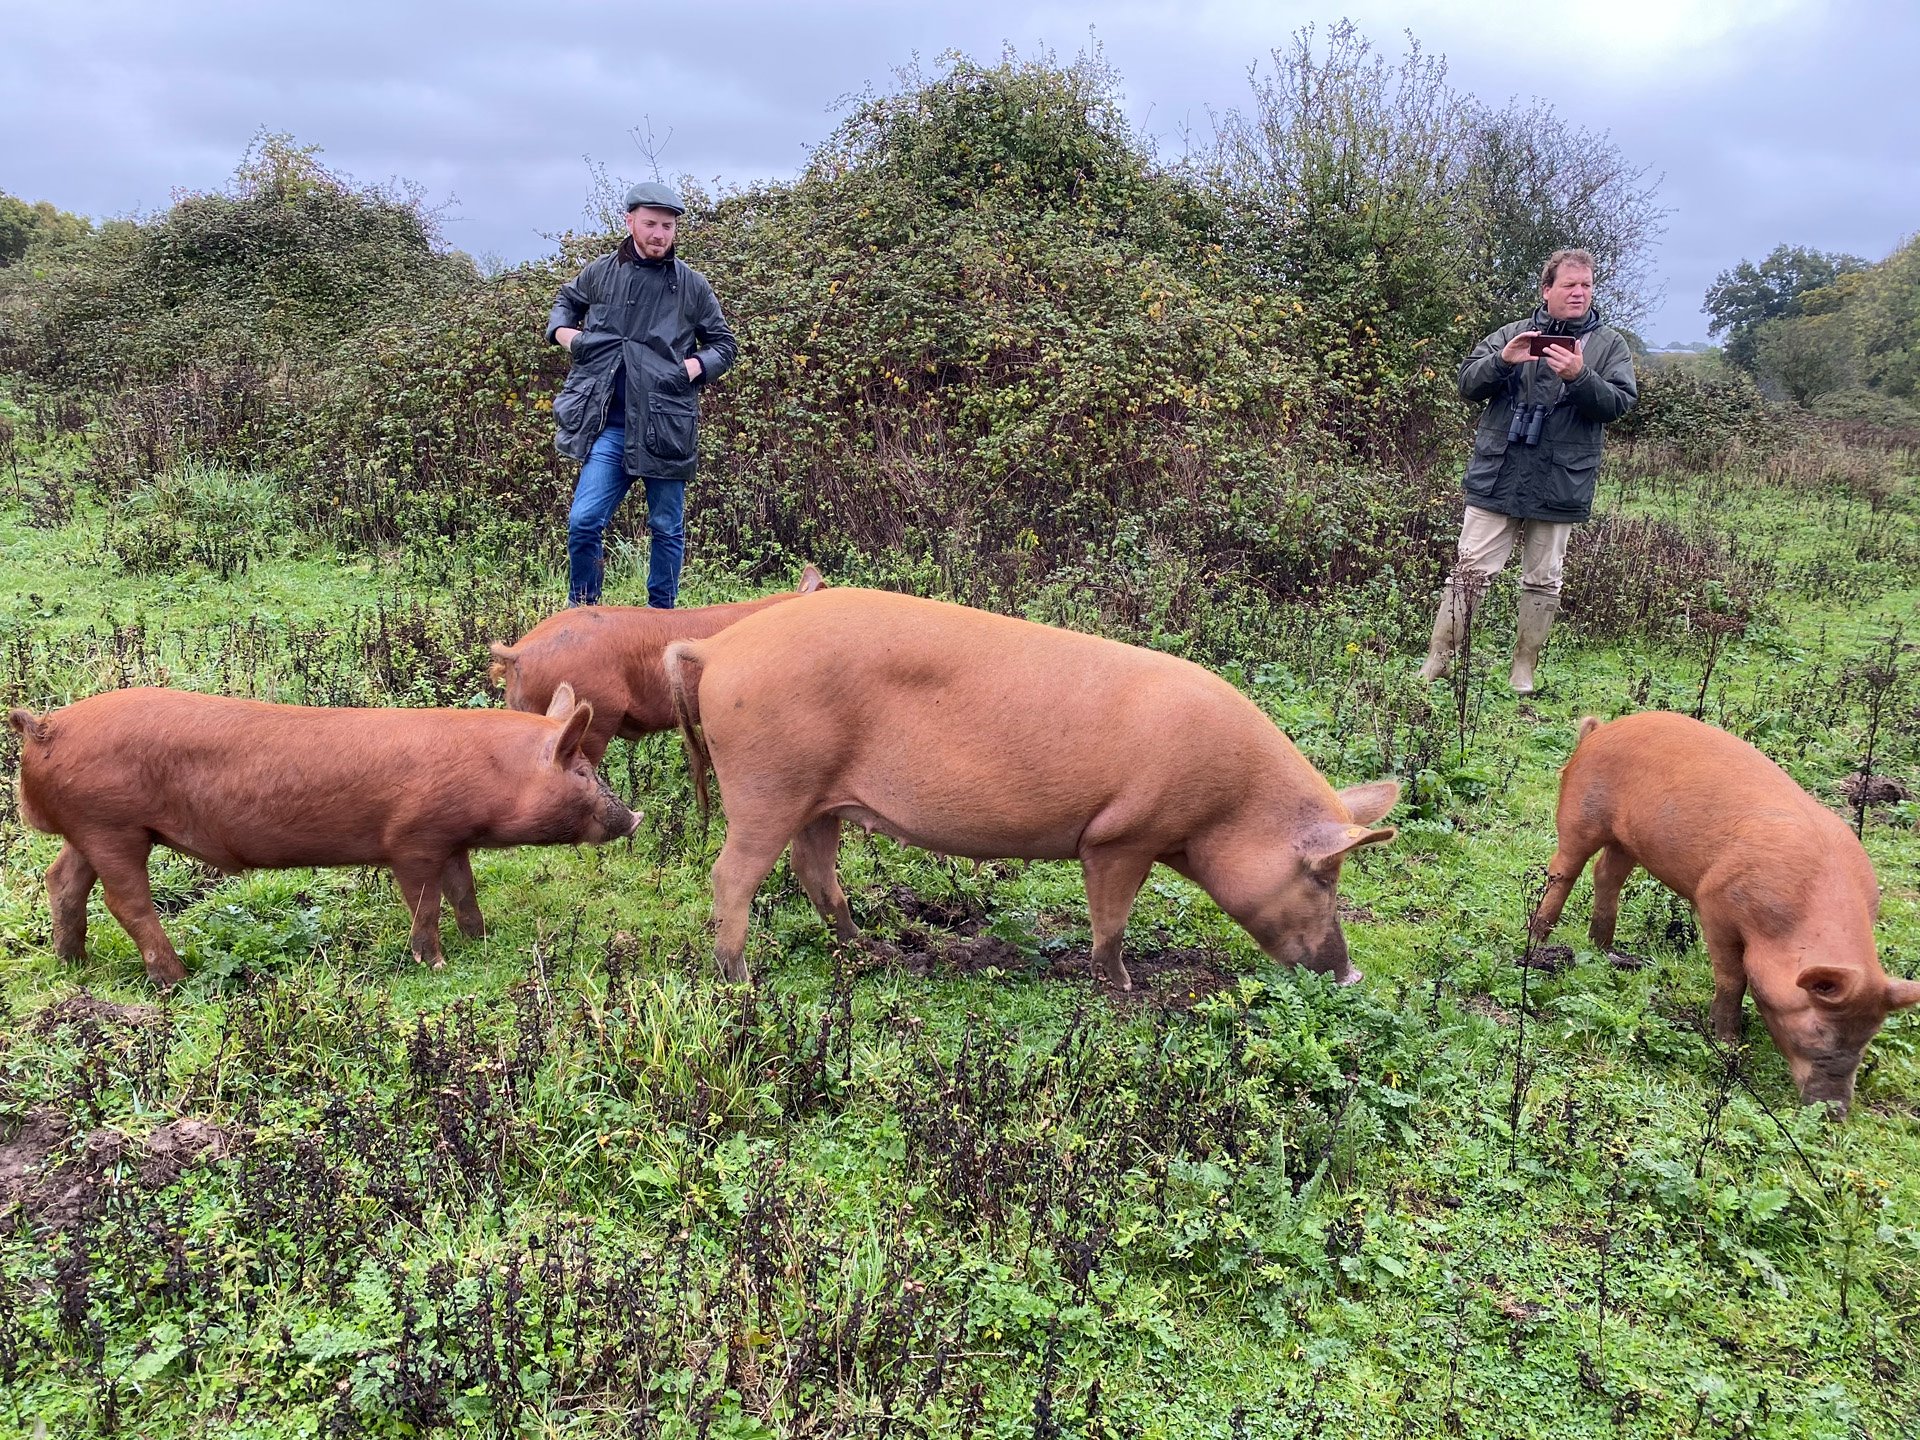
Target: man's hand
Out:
[1515,351]
[1564,362]
[694,368]
[563,337]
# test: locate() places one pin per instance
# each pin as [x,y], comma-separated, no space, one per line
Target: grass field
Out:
[573,1185]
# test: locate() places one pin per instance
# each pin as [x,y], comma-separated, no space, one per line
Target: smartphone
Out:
[1540,344]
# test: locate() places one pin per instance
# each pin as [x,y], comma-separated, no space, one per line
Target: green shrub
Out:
[1703,414]
[194,516]
[1873,408]
[984,340]
[275,270]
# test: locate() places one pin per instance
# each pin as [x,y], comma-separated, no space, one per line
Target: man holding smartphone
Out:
[646,335]
[1549,383]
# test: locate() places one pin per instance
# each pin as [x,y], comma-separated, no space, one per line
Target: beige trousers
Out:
[1486,540]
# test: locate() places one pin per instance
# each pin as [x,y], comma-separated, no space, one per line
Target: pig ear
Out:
[810,580]
[561,705]
[1829,985]
[572,733]
[1368,803]
[1329,844]
[1902,993]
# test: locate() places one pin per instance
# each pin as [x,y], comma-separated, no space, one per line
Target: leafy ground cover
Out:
[573,1185]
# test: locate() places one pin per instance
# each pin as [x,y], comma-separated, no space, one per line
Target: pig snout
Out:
[1826,1080]
[612,820]
[588,813]
[1327,955]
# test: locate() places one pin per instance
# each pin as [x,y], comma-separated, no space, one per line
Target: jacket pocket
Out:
[1483,470]
[572,406]
[673,423]
[1570,480]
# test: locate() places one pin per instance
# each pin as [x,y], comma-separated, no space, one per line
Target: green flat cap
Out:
[655,196]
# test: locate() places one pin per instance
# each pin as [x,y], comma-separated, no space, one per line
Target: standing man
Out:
[1535,456]
[645,333]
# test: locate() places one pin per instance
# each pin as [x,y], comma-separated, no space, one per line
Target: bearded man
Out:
[646,336]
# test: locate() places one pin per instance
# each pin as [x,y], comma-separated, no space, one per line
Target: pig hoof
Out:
[165,973]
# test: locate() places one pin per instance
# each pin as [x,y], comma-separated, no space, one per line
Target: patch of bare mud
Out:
[84,1009]
[1172,978]
[47,1181]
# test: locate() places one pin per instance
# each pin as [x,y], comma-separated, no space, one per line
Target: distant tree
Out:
[1635,345]
[1889,323]
[1745,297]
[1353,169]
[23,225]
[1531,184]
[1806,356]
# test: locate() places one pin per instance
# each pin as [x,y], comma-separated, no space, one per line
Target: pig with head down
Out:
[243,785]
[1786,895]
[979,735]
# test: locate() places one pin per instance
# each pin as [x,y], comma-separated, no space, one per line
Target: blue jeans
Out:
[604,483]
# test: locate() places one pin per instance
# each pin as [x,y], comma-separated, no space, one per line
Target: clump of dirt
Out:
[1173,979]
[1862,789]
[1548,959]
[22,1157]
[36,1188]
[86,1008]
[922,954]
[971,955]
[178,1144]
[1176,978]
[48,1182]
[954,913]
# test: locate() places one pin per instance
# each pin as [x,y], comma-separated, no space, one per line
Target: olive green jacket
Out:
[1552,480]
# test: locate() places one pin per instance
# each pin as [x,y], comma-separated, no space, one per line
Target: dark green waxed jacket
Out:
[649,315]
[1552,480]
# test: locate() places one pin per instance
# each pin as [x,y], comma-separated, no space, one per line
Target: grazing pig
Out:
[610,654]
[243,785]
[1785,894]
[974,734]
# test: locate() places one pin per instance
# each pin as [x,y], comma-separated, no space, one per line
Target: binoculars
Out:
[1524,427]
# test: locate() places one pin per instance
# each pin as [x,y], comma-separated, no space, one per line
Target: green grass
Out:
[571,1172]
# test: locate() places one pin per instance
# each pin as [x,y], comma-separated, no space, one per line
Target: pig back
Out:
[978,733]
[610,655]
[243,784]
[1707,814]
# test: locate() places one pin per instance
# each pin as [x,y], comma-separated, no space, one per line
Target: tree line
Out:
[1828,330]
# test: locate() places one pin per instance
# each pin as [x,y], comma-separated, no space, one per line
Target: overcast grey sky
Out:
[1771,120]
